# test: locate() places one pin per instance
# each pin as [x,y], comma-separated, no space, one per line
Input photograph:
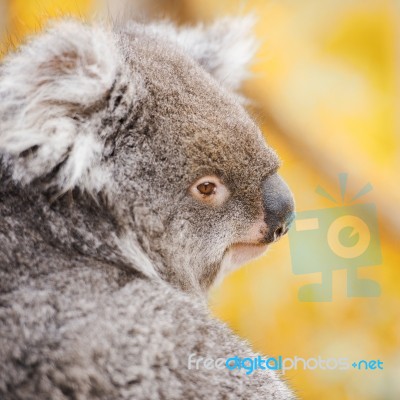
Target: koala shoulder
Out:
[141,321]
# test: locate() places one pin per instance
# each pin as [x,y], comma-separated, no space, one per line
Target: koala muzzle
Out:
[278,207]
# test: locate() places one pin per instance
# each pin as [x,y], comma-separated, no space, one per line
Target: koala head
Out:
[146,117]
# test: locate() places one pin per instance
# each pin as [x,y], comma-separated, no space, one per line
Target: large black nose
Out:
[278,207]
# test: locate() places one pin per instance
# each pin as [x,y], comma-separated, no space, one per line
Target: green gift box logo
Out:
[338,238]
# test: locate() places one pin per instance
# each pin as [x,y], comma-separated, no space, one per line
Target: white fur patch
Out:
[43,89]
[135,255]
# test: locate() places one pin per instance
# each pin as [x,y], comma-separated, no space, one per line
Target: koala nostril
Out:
[279,232]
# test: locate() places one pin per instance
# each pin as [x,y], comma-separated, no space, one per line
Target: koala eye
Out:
[206,188]
[209,190]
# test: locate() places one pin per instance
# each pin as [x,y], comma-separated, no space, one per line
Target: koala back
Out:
[92,339]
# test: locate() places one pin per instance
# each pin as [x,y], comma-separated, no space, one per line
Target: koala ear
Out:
[47,91]
[225,48]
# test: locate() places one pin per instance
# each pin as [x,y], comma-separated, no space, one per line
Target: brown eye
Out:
[209,190]
[206,188]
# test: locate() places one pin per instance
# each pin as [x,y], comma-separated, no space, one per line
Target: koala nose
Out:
[278,207]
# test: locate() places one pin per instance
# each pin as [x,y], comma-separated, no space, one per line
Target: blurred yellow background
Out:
[325,88]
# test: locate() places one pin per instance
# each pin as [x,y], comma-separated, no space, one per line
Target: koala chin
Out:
[131,179]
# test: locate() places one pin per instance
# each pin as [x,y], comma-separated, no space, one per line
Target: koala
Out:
[132,179]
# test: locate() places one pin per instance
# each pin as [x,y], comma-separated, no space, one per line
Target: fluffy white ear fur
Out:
[44,88]
[225,48]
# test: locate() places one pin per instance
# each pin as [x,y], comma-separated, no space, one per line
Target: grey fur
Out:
[105,258]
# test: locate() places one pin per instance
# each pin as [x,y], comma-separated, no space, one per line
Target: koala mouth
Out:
[239,254]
